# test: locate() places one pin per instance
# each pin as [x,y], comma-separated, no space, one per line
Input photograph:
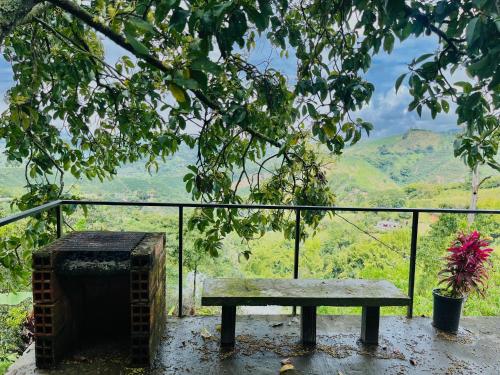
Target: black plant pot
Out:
[447,310]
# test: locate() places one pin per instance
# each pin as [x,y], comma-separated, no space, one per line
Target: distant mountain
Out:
[381,165]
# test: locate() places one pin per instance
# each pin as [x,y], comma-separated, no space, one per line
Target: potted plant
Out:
[465,271]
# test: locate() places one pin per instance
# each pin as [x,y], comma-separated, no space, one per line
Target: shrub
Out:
[467,265]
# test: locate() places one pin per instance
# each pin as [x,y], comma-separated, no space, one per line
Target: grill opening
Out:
[99,293]
[100,306]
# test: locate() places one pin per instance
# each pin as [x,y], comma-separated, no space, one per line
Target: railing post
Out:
[413,260]
[59,221]
[181,233]
[296,253]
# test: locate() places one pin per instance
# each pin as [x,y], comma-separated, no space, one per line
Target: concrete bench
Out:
[307,293]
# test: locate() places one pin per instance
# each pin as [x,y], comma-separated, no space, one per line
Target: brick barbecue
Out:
[91,286]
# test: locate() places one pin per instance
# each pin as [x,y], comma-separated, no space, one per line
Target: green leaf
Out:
[480,3]
[312,111]
[394,7]
[493,164]
[399,81]
[177,92]
[204,64]
[445,106]
[356,138]
[473,31]
[388,43]
[179,19]
[187,83]
[482,68]
[423,57]
[368,126]
[221,8]
[239,115]
[199,77]
[138,47]
[330,129]
[128,63]
[163,7]
[466,86]
[141,24]
[259,19]
[412,105]
[265,7]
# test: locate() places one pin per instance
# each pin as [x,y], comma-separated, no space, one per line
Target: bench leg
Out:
[308,325]
[228,326]
[369,324]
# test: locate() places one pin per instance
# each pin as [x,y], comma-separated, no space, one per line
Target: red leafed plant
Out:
[467,265]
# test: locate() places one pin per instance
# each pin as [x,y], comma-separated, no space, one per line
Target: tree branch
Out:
[419,16]
[82,14]
[15,12]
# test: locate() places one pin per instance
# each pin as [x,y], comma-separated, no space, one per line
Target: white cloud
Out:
[389,114]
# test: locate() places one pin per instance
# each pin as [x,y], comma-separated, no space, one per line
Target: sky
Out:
[387,110]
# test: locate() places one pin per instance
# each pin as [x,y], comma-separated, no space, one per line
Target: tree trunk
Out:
[475,190]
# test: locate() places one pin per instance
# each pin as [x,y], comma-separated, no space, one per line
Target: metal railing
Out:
[56,206]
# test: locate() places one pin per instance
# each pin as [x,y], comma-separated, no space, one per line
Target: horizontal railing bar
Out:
[32,211]
[280,207]
[53,204]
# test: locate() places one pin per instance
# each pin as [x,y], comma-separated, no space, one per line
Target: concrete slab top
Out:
[301,292]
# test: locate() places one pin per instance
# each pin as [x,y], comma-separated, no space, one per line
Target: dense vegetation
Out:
[411,170]
[13,336]
[259,136]
[184,78]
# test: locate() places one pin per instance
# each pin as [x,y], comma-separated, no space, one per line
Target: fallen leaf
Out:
[218,327]
[205,334]
[286,361]
[277,324]
[285,368]
[413,362]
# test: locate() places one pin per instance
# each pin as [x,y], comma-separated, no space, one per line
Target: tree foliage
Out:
[186,77]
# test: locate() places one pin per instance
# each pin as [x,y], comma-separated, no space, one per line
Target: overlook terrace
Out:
[56,207]
[408,344]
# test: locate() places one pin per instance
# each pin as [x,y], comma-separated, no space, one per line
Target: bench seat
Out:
[307,293]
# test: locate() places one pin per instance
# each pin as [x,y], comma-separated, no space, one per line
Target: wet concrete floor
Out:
[407,346]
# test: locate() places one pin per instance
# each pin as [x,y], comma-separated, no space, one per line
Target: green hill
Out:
[374,172]
[415,156]
[416,160]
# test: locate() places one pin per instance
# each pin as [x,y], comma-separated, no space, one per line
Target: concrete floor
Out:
[190,346]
